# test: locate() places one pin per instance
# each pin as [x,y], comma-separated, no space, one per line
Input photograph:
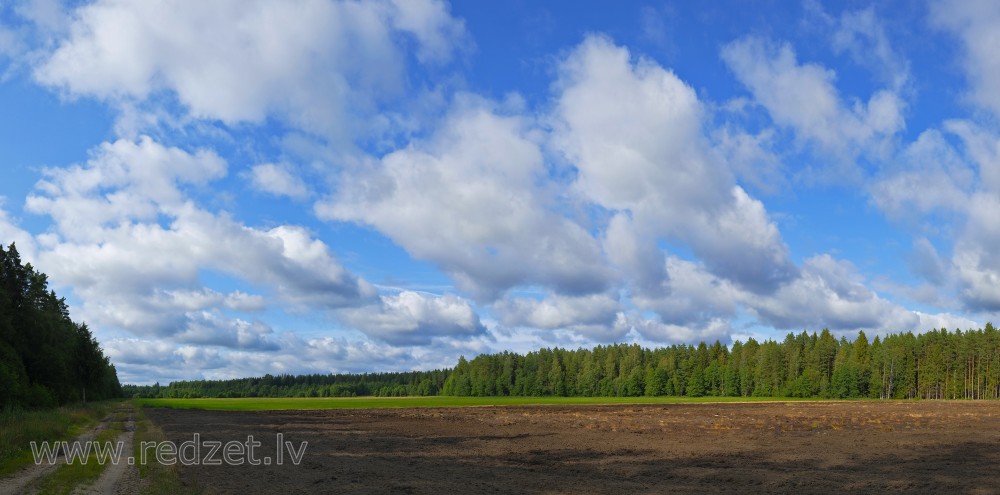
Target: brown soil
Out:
[806,447]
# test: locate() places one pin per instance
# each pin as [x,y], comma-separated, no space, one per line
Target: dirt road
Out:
[121,478]
[810,447]
[116,479]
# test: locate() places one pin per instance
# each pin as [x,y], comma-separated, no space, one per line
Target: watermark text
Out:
[192,452]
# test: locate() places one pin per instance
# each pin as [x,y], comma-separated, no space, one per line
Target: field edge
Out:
[319,403]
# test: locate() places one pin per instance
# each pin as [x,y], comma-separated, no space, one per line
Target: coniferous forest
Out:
[939,364]
[935,365]
[46,359]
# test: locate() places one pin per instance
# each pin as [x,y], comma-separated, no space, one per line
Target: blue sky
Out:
[232,188]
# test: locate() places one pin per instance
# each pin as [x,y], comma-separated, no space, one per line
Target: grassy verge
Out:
[18,428]
[154,478]
[275,404]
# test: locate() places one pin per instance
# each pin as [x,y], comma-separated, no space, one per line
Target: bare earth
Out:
[807,447]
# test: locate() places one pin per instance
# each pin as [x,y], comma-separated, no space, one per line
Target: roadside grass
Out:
[303,403]
[67,477]
[19,427]
[154,478]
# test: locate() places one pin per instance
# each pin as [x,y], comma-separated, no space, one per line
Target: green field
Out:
[275,404]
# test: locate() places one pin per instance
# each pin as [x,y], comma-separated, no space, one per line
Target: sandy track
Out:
[120,478]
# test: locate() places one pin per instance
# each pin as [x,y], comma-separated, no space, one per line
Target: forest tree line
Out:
[46,359]
[939,364]
[935,365]
[340,385]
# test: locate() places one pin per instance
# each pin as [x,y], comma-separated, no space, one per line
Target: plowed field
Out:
[798,447]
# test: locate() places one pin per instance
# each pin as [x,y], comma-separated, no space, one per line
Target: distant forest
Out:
[939,364]
[341,385]
[46,359]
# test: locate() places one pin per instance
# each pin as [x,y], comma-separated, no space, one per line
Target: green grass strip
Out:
[303,403]
[155,478]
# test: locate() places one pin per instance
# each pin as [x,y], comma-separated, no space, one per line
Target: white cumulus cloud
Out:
[134,246]
[317,64]
[278,180]
[804,97]
[634,132]
[413,318]
[976,24]
[469,200]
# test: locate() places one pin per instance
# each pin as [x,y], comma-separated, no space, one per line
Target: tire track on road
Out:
[122,477]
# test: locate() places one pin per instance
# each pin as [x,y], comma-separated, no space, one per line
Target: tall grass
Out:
[19,427]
